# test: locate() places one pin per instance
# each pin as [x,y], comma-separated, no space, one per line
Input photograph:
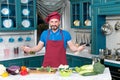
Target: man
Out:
[55,41]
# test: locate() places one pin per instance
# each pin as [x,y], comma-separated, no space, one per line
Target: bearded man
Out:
[55,41]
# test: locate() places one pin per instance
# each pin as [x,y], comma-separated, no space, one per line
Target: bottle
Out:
[101,56]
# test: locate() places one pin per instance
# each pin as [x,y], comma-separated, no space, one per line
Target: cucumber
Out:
[89,74]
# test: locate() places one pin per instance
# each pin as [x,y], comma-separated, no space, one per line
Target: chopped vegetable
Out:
[2,69]
[98,68]
[24,70]
[89,74]
[5,74]
[88,70]
[46,69]
[13,70]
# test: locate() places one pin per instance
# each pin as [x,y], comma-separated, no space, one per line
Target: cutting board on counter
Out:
[41,72]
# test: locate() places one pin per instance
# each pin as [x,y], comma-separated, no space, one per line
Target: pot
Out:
[117,52]
[87,22]
[76,23]
[117,25]
[106,29]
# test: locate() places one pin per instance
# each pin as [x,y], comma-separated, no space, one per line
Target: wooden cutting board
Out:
[41,72]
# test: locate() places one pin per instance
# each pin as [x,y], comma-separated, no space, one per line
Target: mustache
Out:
[53,26]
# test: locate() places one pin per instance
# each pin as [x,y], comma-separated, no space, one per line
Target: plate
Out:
[25,12]
[7,23]
[5,11]
[26,23]
[24,1]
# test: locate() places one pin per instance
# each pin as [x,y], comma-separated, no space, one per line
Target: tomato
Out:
[23,72]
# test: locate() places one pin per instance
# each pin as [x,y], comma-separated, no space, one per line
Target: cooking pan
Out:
[76,23]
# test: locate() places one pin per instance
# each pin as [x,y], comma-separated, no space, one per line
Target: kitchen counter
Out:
[21,55]
[84,53]
[74,76]
[88,55]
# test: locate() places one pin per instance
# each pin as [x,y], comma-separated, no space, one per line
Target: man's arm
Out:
[75,48]
[33,49]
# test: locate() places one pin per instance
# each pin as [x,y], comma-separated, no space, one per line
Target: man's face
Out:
[54,24]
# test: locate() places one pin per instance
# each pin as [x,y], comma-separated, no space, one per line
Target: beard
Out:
[54,27]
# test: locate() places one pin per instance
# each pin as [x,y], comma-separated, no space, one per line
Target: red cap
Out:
[53,15]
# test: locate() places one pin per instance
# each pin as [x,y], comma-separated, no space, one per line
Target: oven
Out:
[115,72]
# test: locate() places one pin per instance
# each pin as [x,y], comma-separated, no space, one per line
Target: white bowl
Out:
[7,23]
[26,23]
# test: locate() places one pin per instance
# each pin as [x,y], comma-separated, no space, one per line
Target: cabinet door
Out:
[79,61]
[7,63]
[76,61]
[34,61]
[69,60]
[86,61]
[8,14]
[27,15]
[75,14]
[86,14]
[17,15]
[81,14]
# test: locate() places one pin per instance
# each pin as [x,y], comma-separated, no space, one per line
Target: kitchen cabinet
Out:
[17,15]
[106,7]
[8,63]
[105,2]
[74,61]
[112,9]
[35,61]
[99,19]
[80,61]
[69,60]
[98,38]
[80,14]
